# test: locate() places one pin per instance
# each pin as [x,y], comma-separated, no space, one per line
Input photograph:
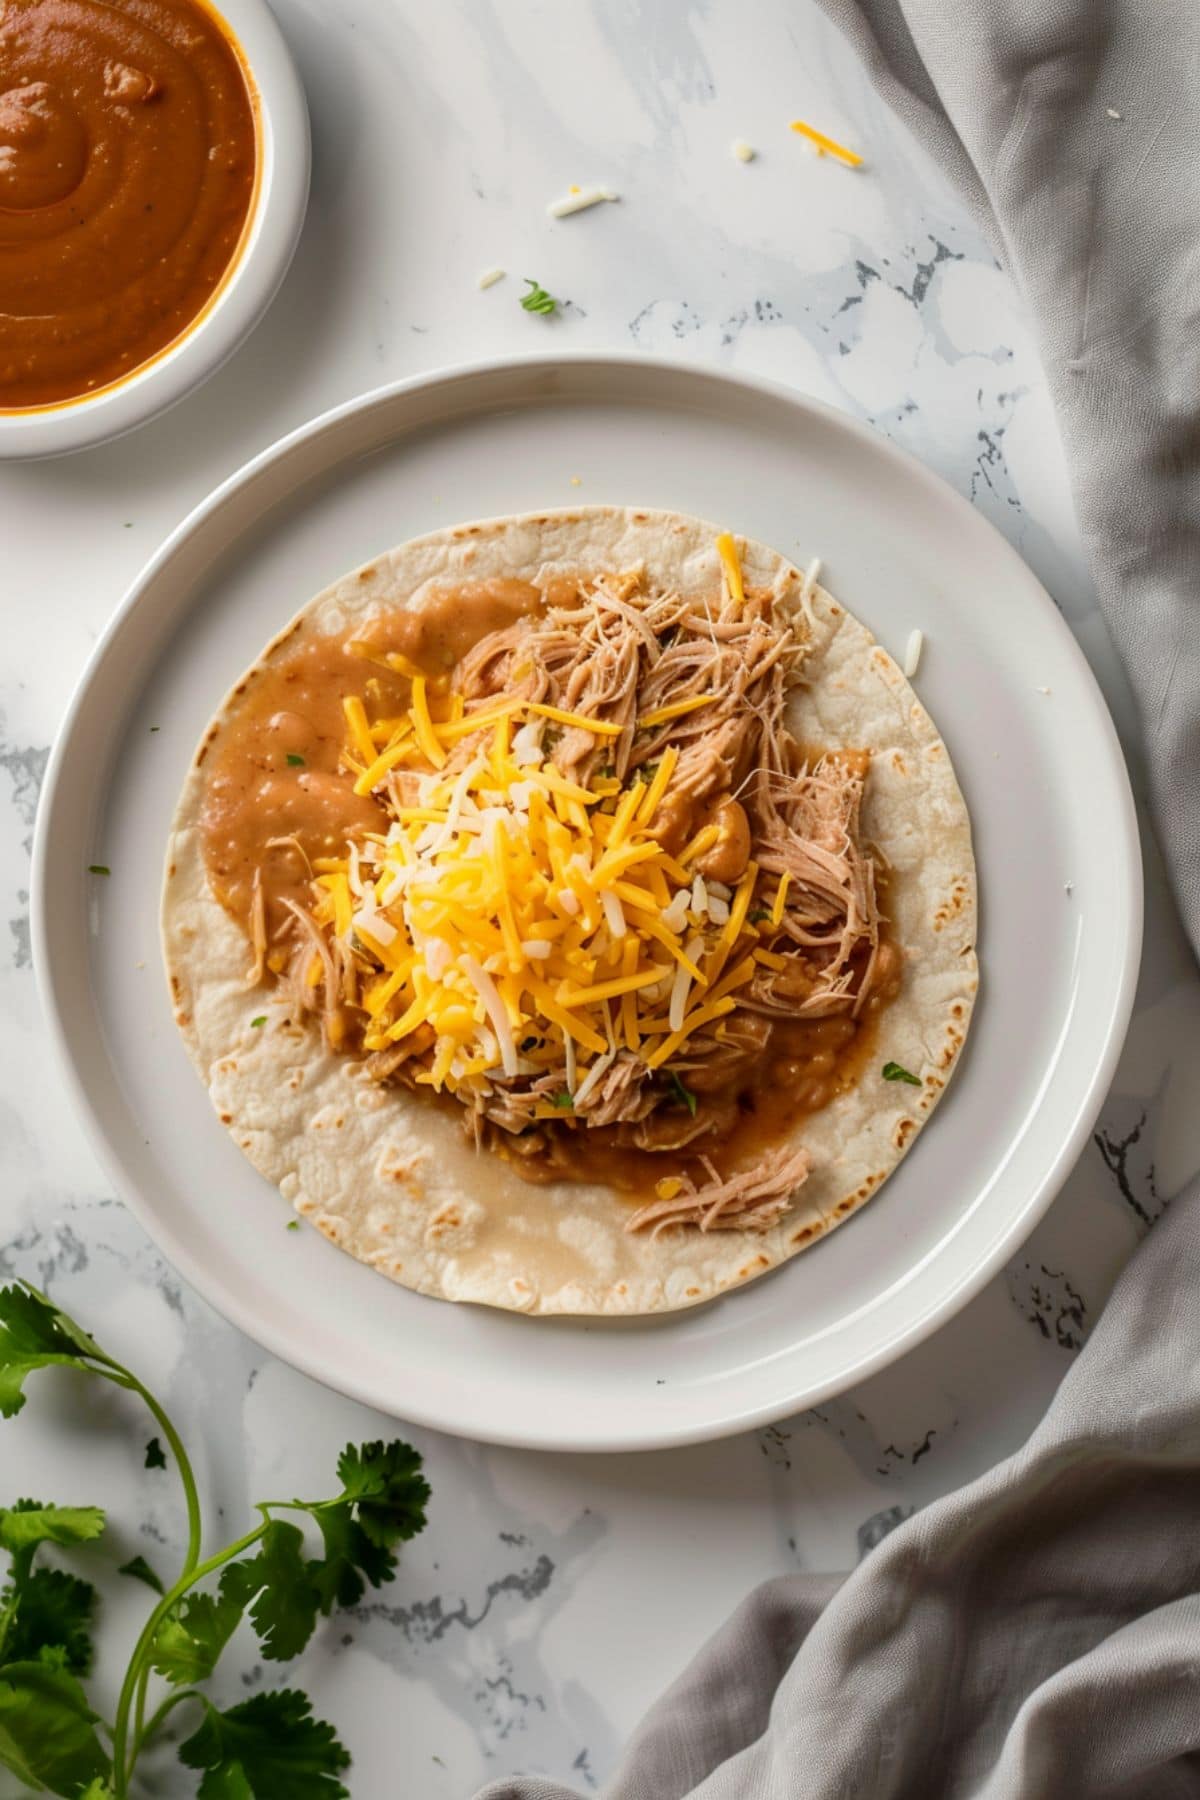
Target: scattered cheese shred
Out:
[578,199]
[727,551]
[676,710]
[912,652]
[599,727]
[490,277]
[743,151]
[827,145]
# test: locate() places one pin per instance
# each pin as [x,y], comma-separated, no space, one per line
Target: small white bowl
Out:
[261,263]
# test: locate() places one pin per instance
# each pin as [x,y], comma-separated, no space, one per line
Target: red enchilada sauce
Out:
[127,170]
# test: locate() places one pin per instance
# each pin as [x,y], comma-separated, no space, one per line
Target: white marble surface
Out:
[551,1598]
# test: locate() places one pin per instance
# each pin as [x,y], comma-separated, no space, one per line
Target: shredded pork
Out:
[622,653]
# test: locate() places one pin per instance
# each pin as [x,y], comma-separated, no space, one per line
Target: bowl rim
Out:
[247,289]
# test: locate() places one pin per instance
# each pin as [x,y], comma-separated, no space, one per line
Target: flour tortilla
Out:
[393,1180]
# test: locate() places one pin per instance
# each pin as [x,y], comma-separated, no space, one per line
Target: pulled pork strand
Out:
[750,1200]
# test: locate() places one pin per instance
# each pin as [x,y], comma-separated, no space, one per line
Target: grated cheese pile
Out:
[519,922]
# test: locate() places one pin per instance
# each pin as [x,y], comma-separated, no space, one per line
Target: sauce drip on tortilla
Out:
[128,163]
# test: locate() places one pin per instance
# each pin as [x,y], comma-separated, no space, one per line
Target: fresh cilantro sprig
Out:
[50,1736]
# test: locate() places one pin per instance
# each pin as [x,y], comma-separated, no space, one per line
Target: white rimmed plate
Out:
[1032,742]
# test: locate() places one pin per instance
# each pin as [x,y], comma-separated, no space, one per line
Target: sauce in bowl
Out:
[128,167]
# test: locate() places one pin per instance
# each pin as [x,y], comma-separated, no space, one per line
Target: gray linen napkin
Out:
[1037,1634]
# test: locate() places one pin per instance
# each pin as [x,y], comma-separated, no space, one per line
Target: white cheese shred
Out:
[579,202]
[912,653]
[743,151]
[490,277]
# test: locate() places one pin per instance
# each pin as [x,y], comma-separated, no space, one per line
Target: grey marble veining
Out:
[552,1597]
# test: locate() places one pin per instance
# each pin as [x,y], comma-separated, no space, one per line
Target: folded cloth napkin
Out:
[1036,1635]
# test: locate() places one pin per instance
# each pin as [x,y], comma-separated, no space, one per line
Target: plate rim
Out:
[1127,888]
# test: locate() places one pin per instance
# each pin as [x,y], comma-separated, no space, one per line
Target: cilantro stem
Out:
[123,1769]
[157,1717]
[187,1478]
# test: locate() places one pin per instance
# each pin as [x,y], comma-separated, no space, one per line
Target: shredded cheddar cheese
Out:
[827,145]
[528,921]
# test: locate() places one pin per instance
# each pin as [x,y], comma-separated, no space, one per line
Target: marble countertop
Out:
[551,1597]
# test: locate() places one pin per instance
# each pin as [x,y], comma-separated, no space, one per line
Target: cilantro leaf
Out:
[140,1570]
[565,1102]
[275,1586]
[155,1455]
[50,1621]
[264,1748]
[892,1071]
[192,1637]
[294,761]
[349,1555]
[47,1735]
[35,1335]
[387,1489]
[29,1523]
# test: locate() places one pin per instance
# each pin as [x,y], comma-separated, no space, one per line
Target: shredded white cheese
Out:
[579,201]
[912,654]
[490,277]
[1113,113]
[810,580]
[743,151]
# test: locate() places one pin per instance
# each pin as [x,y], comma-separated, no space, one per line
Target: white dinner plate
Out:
[1035,750]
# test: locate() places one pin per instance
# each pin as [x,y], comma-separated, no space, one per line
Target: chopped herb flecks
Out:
[293,1224]
[758,917]
[99,869]
[565,1102]
[297,762]
[683,1094]
[537,300]
[892,1071]
[261,1020]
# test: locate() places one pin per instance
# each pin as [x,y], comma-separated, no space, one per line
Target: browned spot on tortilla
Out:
[904,1130]
[807,1231]
[241,687]
[367,574]
[176,988]
[691,1292]
[183,1018]
[935,749]
[899,763]
[226,1118]
[953,904]
[201,753]
[330,1228]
